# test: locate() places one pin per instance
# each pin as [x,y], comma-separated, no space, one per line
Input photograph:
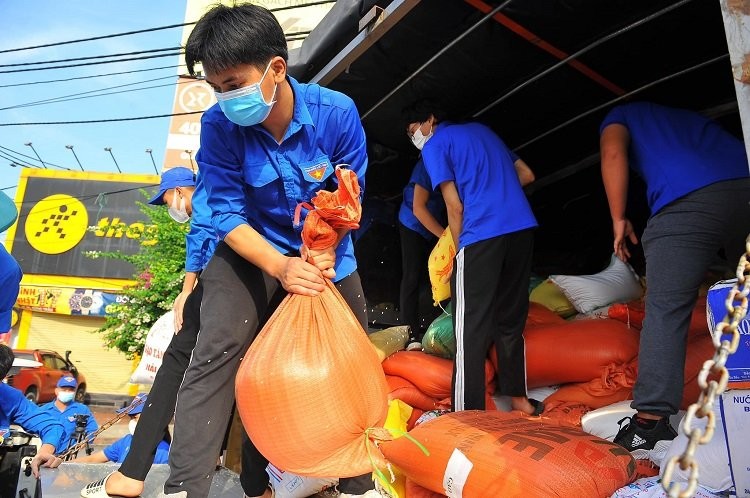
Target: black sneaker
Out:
[632,436]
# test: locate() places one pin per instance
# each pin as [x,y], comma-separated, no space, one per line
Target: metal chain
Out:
[736,305]
[73,450]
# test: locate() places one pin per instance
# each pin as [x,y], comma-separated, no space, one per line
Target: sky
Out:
[42,22]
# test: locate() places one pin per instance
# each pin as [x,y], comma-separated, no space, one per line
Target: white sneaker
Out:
[181,494]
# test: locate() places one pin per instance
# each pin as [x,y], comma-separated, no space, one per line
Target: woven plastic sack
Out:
[390,340]
[478,454]
[157,341]
[310,388]
[439,339]
[440,266]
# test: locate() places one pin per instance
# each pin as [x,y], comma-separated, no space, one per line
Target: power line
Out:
[148,30]
[63,98]
[104,94]
[92,57]
[15,162]
[11,151]
[60,99]
[115,35]
[88,121]
[92,76]
[90,63]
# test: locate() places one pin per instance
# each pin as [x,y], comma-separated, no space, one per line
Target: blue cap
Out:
[67,381]
[179,176]
[138,409]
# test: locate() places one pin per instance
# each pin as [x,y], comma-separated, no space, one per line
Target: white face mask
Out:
[179,214]
[131,426]
[418,139]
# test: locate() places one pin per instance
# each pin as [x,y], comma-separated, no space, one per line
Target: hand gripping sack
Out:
[310,388]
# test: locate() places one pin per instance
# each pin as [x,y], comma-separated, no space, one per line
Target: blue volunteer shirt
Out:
[117,451]
[473,157]
[252,179]
[677,151]
[10,283]
[68,419]
[16,409]
[201,240]
[435,204]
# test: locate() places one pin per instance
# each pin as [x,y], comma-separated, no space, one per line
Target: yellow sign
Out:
[56,224]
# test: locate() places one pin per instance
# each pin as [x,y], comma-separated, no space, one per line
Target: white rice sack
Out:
[712,457]
[618,283]
[650,487]
[287,485]
[157,341]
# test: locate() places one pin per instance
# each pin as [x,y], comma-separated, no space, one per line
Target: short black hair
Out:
[6,360]
[228,36]
[419,112]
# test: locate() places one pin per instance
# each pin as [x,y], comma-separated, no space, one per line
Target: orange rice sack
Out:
[414,490]
[634,312]
[431,375]
[401,389]
[615,383]
[311,384]
[588,345]
[479,454]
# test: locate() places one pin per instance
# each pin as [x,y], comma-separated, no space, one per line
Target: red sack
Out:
[479,454]
[311,384]
[634,312]
[575,351]
[431,375]
[400,388]
[615,383]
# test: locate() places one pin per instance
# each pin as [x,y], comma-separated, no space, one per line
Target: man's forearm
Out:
[188,284]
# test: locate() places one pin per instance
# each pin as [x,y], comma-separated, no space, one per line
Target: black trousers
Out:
[237,300]
[159,408]
[489,286]
[415,252]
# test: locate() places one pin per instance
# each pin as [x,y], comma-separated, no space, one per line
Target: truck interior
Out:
[542,74]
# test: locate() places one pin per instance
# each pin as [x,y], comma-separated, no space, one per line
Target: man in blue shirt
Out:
[269,144]
[698,191]
[10,283]
[421,220]
[492,225]
[16,409]
[120,449]
[67,409]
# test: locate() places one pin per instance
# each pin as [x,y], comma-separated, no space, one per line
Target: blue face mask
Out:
[246,106]
[66,397]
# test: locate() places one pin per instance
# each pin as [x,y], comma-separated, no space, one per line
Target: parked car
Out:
[39,383]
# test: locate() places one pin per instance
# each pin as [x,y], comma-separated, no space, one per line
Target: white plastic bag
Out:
[287,485]
[618,283]
[157,341]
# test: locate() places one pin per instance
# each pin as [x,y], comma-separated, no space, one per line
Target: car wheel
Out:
[32,394]
[81,394]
